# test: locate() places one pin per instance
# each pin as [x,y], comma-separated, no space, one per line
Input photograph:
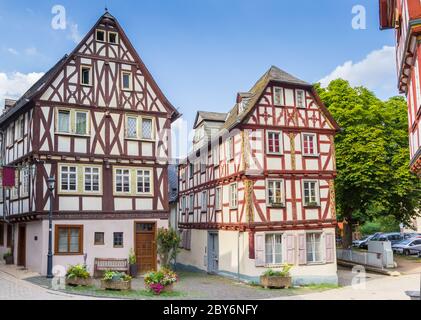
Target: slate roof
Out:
[209,116]
[172,183]
[28,95]
[273,74]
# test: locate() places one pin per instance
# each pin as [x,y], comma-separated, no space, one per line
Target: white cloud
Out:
[12,51]
[31,51]
[15,84]
[74,33]
[377,72]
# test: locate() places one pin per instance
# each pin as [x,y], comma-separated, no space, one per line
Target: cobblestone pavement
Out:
[12,288]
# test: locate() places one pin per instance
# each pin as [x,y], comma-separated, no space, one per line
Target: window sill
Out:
[68,254]
[315,263]
[276,206]
[316,206]
[70,134]
[118,247]
[311,155]
[274,153]
[127,89]
[86,85]
[139,139]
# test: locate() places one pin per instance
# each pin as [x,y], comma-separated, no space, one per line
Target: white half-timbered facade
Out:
[257,192]
[98,123]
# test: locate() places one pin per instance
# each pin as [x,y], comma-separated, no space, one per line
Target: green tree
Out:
[372,156]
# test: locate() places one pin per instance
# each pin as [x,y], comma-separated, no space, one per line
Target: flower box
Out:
[75,282]
[116,285]
[276,282]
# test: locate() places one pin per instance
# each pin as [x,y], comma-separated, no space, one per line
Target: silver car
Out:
[408,247]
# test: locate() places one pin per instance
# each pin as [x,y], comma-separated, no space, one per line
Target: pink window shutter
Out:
[260,249]
[330,254]
[8,177]
[290,249]
[302,250]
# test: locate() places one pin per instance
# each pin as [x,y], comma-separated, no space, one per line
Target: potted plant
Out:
[116,281]
[133,269]
[78,275]
[8,257]
[277,279]
[160,281]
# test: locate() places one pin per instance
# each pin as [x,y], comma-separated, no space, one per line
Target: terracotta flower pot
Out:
[116,285]
[79,282]
[276,282]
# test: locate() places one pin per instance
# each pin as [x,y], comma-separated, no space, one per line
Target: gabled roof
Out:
[48,78]
[39,85]
[274,74]
[209,116]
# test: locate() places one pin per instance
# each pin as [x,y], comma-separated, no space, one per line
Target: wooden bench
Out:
[107,264]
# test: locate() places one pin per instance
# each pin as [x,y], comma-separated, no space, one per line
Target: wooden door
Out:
[21,261]
[146,246]
[213,252]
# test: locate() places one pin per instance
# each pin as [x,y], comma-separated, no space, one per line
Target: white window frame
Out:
[273,253]
[191,204]
[68,166]
[314,135]
[129,73]
[281,102]
[103,32]
[204,202]
[116,37]
[85,66]
[122,180]
[86,113]
[317,193]
[281,142]
[24,191]
[127,127]
[218,198]
[303,105]
[215,155]
[321,248]
[282,189]
[69,121]
[152,137]
[230,148]
[20,123]
[233,195]
[183,205]
[142,176]
[85,174]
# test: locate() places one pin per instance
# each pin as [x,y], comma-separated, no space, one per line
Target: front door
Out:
[22,246]
[145,246]
[213,252]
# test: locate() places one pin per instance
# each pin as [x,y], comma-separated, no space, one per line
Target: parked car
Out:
[356,243]
[364,243]
[408,246]
[394,237]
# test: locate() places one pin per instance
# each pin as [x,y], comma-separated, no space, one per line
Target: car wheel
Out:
[406,252]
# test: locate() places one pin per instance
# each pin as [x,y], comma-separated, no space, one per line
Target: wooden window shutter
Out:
[302,250]
[330,254]
[260,249]
[252,252]
[290,258]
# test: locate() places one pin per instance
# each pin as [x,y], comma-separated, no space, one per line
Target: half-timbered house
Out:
[98,123]
[257,191]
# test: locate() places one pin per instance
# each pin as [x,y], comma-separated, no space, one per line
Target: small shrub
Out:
[283,273]
[168,242]
[77,271]
[132,257]
[116,276]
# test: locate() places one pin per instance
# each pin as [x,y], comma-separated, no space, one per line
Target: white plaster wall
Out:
[196,256]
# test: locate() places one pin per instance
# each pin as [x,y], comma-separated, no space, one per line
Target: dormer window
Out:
[100,35]
[112,37]
[300,99]
[278,96]
[85,75]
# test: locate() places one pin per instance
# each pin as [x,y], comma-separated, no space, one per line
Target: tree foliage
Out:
[372,155]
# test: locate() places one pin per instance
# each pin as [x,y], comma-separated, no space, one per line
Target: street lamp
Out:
[50,184]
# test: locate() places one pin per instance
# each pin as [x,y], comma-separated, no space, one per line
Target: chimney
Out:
[9,103]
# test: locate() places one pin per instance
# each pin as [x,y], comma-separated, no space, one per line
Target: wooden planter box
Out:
[116,285]
[79,282]
[276,282]
[169,288]
[8,260]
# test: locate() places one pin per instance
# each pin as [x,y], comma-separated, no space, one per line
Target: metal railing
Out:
[363,258]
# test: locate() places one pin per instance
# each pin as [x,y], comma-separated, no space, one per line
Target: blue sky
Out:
[203,52]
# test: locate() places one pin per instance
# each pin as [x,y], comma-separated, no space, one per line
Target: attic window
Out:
[100,35]
[278,96]
[300,99]
[112,37]
[85,75]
